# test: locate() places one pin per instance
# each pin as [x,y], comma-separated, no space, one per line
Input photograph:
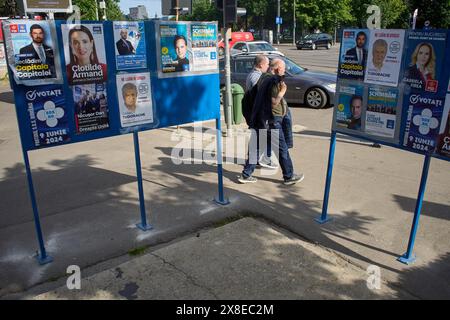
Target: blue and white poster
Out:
[174,49]
[444,131]
[424,61]
[381,111]
[423,119]
[48,115]
[204,46]
[353,55]
[129,39]
[350,106]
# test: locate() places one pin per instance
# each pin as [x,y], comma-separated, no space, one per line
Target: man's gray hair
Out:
[260,58]
[275,63]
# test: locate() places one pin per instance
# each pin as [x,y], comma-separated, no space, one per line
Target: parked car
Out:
[314,89]
[235,37]
[254,47]
[314,41]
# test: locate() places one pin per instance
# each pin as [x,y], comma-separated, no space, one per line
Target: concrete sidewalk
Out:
[246,259]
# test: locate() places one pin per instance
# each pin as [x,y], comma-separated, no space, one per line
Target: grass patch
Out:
[137,251]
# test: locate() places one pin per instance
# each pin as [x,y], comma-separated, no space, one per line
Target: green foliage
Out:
[436,11]
[87,9]
[202,10]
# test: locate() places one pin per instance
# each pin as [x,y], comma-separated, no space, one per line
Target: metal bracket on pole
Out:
[324,217]
[409,257]
[143,225]
[220,199]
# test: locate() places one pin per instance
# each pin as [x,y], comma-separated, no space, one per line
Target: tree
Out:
[393,13]
[87,10]
[435,11]
[202,10]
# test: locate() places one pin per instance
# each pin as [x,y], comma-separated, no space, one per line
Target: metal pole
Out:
[96,10]
[137,154]
[278,24]
[323,219]
[408,257]
[42,257]
[228,97]
[295,25]
[220,200]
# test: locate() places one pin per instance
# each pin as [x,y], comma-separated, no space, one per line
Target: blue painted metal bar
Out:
[408,257]
[137,153]
[324,218]
[42,256]
[220,200]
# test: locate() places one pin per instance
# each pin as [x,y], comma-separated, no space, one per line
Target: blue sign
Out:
[279,20]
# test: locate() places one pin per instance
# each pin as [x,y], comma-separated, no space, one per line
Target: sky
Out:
[153,6]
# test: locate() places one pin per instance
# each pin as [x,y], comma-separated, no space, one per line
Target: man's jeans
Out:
[255,151]
[287,129]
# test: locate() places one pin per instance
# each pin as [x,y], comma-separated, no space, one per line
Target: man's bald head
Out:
[261,62]
[277,66]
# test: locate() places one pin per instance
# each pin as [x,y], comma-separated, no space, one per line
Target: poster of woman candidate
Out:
[48,115]
[91,107]
[422,123]
[32,51]
[173,48]
[84,52]
[349,109]
[129,39]
[381,113]
[204,46]
[424,60]
[353,54]
[135,99]
[384,57]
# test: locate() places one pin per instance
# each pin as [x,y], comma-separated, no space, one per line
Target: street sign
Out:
[279,20]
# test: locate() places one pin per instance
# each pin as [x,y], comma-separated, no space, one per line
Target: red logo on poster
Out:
[13,28]
[432,85]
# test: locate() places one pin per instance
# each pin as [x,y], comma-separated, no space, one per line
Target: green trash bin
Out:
[238,93]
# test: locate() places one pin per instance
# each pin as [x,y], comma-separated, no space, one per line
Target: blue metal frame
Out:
[137,155]
[220,199]
[324,217]
[408,257]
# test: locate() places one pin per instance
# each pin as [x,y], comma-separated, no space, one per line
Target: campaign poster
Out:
[174,55]
[381,111]
[384,57]
[444,132]
[84,52]
[47,112]
[424,114]
[91,107]
[135,99]
[129,39]
[204,47]
[350,106]
[32,51]
[424,60]
[353,54]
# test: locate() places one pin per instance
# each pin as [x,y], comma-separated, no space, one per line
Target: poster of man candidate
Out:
[135,99]
[353,54]
[444,132]
[48,115]
[349,110]
[381,113]
[91,107]
[204,47]
[384,57]
[129,39]
[174,53]
[424,60]
[84,52]
[423,119]
[32,51]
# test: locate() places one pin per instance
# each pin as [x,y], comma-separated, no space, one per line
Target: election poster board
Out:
[174,55]
[48,116]
[382,110]
[349,109]
[384,57]
[353,54]
[33,55]
[84,52]
[424,60]
[130,46]
[204,46]
[48,6]
[135,99]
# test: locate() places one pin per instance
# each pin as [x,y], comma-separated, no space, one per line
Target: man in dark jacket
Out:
[37,49]
[358,54]
[124,47]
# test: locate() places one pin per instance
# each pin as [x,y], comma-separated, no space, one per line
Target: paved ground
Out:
[87,197]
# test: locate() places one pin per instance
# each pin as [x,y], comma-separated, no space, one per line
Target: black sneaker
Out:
[249,179]
[294,179]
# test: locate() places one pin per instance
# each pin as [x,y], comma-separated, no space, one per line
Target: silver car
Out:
[313,89]
[254,47]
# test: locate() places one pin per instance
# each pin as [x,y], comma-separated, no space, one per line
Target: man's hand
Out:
[283,88]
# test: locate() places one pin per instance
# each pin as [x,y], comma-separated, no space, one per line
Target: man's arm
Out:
[276,99]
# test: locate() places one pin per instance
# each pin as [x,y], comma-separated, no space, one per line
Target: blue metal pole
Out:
[408,257]
[220,200]
[137,153]
[42,257]
[323,218]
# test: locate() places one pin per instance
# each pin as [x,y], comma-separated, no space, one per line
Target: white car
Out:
[254,47]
